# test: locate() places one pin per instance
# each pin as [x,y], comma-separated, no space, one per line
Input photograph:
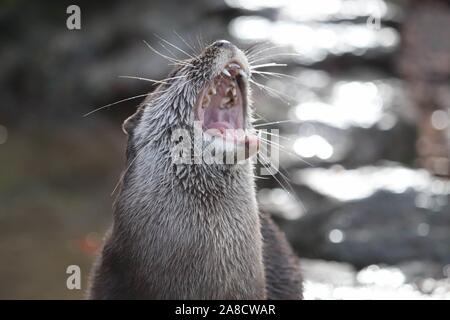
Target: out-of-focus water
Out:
[331,280]
[347,124]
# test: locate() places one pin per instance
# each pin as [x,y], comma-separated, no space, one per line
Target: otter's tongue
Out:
[236,135]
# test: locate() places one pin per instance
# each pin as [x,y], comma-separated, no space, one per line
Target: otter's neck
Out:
[190,234]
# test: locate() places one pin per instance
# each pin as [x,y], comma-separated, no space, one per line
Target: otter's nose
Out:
[223,44]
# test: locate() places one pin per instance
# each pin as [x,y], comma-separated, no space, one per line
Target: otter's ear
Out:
[130,123]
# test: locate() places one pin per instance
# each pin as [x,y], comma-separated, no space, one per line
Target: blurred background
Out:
[364,193]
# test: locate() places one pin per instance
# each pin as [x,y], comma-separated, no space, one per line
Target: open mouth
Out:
[221,109]
[222,104]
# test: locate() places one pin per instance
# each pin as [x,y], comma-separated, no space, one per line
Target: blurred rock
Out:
[424,62]
[384,227]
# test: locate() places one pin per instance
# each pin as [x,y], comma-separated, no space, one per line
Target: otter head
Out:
[208,97]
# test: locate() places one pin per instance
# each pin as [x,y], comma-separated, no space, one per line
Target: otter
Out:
[193,231]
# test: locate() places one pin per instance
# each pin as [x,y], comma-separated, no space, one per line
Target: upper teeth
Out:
[237,67]
[228,100]
[226,72]
[230,94]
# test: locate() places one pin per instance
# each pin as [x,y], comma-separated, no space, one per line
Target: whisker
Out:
[173,60]
[260,116]
[287,54]
[200,40]
[168,50]
[264,74]
[185,42]
[196,44]
[270,142]
[275,122]
[286,180]
[273,91]
[273,134]
[143,79]
[258,177]
[174,46]
[259,74]
[271,64]
[175,77]
[262,87]
[275,74]
[292,193]
[251,51]
[283,149]
[114,103]
[273,173]
[163,81]
[258,53]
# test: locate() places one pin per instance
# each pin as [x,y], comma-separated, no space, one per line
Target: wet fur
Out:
[188,231]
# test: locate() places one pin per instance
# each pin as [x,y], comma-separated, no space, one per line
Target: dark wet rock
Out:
[385,227]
